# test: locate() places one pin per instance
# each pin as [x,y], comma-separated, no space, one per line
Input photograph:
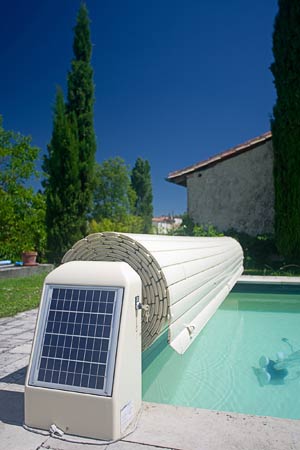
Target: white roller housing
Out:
[184,279]
[84,374]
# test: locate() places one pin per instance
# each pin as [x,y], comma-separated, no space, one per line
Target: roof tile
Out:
[179,176]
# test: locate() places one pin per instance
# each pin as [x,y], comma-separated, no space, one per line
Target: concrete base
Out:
[191,429]
[159,427]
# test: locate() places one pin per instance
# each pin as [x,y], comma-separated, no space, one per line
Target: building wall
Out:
[235,193]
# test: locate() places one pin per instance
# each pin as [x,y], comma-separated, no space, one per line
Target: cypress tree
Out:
[142,185]
[62,186]
[285,126]
[81,103]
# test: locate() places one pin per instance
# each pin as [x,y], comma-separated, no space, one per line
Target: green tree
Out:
[62,185]
[142,185]
[128,224]
[113,195]
[69,165]
[189,228]
[80,102]
[285,126]
[22,210]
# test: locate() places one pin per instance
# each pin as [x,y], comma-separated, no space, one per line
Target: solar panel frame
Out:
[41,332]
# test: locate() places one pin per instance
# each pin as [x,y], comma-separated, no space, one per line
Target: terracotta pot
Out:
[29,258]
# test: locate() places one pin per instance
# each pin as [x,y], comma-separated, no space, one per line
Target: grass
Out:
[20,294]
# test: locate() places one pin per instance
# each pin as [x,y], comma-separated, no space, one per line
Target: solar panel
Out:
[77,338]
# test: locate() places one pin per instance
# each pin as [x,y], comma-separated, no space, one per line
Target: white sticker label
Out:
[127,414]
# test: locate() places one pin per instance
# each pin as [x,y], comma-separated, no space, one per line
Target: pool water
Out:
[220,370]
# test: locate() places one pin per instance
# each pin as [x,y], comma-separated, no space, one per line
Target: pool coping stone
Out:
[260,279]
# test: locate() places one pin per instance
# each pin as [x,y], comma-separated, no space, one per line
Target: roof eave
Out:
[180,180]
[180,176]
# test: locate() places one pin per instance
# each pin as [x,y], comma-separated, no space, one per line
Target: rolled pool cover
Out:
[184,279]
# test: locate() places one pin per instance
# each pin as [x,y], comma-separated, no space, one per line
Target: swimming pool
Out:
[221,370]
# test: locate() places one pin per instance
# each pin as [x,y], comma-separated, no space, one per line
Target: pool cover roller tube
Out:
[184,279]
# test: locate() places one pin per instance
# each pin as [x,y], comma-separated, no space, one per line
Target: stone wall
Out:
[235,193]
[12,271]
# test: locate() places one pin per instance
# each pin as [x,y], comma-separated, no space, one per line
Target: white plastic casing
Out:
[86,414]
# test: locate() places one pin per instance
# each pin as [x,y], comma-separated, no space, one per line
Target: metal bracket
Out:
[145,308]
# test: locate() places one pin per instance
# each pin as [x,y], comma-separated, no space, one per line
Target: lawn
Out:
[20,294]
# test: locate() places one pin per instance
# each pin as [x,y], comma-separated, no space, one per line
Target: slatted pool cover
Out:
[79,339]
[184,279]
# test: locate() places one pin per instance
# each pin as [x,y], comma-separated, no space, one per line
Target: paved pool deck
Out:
[159,426]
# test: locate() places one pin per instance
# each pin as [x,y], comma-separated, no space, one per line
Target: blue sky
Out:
[176,80]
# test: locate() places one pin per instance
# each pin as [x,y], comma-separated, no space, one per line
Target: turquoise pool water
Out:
[220,370]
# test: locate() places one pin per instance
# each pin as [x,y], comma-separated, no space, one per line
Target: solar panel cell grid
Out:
[77,338]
